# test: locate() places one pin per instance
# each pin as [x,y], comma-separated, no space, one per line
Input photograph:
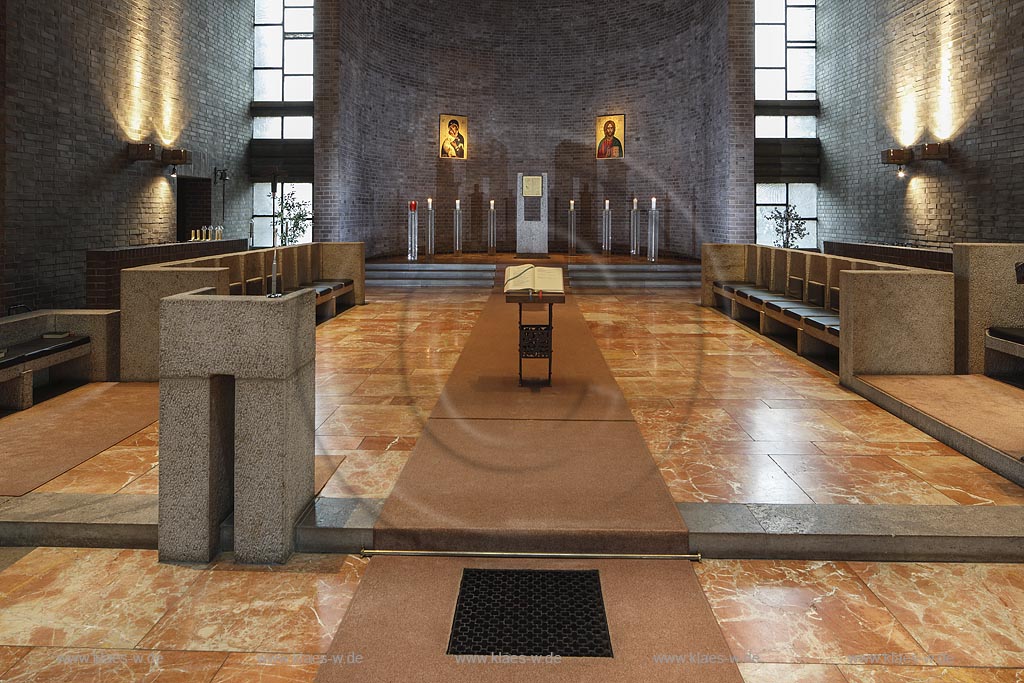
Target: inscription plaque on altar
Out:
[532,214]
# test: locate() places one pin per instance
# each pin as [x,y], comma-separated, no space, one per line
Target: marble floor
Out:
[88,615]
[729,416]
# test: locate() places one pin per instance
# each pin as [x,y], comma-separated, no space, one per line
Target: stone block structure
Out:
[236,415]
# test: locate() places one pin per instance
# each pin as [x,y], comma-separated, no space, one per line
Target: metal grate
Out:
[530,612]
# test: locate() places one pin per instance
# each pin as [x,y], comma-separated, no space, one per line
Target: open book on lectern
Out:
[529,279]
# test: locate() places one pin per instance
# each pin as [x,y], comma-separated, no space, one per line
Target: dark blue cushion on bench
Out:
[780,305]
[822,322]
[1010,334]
[799,313]
[730,287]
[39,348]
[335,285]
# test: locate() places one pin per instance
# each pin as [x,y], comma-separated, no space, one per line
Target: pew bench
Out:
[1004,353]
[19,363]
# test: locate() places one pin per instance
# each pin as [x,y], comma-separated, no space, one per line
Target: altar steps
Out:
[639,276]
[430,275]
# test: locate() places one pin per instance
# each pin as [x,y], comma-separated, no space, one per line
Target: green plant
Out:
[789,227]
[293,216]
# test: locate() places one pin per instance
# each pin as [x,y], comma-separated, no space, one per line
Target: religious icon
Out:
[452,137]
[610,131]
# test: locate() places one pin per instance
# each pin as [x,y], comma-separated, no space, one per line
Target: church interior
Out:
[487,341]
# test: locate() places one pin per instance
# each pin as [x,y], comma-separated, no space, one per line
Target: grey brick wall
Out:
[83,78]
[532,76]
[879,60]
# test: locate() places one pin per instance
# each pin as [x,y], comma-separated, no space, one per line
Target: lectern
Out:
[528,284]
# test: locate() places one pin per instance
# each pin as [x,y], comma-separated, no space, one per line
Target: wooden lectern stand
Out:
[535,339]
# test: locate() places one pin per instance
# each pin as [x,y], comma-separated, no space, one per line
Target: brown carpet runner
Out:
[504,467]
[559,469]
[54,436]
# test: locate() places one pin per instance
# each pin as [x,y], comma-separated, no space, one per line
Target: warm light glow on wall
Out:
[910,123]
[167,81]
[133,100]
[944,124]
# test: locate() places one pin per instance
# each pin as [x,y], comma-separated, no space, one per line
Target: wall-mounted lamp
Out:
[932,151]
[899,157]
[935,151]
[176,157]
[142,151]
[220,175]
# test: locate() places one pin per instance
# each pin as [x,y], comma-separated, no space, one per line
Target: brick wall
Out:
[84,77]
[103,266]
[3,149]
[532,77]
[901,72]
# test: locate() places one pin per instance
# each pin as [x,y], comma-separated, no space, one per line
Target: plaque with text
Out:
[533,186]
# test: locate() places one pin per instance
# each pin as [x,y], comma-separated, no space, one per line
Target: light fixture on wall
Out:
[175,158]
[220,175]
[142,151]
[935,151]
[932,151]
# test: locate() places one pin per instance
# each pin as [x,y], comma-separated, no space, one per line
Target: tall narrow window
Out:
[283,51]
[784,50]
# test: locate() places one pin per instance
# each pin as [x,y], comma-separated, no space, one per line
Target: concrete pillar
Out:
[236,423]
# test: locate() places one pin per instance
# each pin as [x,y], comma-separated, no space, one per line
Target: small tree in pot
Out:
[293,216]
[789,227]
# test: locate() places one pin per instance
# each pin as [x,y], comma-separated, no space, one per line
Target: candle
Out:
[654,203]
[458,204]
[634,203]
[430,204]
[572,204]
[607,205]
[412,206]
[492,205]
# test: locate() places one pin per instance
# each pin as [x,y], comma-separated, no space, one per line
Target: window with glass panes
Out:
[263,211]
[804,196]
[283,65]
[784,50]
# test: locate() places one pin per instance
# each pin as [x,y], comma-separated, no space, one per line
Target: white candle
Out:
[430,203]
[634,203]
[654,203]
[607,205]
[492,205]
[458,204]
[572,204]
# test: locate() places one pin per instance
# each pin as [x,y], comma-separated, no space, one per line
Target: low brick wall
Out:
[912,257]
[103,266]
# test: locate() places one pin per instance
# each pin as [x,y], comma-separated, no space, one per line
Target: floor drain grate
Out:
[530,612]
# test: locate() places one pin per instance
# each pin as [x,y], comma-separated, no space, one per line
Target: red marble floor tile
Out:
[799,612]
[866,480]
[965,614]
[54,665]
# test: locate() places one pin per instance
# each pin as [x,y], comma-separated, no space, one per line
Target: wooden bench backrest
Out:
[765,258]
[750,263]
[817,279]
[780,270]
[796,274]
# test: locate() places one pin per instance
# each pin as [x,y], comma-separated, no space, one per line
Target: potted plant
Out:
[293,216]
[789,227]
